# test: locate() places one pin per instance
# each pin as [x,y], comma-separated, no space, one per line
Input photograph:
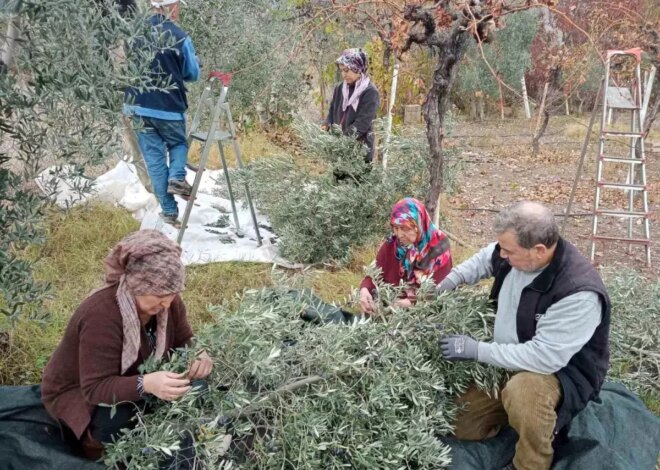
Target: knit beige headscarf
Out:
[143,263]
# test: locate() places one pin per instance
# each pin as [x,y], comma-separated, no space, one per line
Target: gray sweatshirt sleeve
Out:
[471,271]
[560,334]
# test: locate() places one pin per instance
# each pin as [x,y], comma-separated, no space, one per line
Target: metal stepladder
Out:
[221,129]
[635,187]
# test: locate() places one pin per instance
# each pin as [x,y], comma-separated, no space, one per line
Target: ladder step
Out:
[633,161]
[621,134]
[619,213]
[624,106]
[634,187]
[218,135]
[639,241]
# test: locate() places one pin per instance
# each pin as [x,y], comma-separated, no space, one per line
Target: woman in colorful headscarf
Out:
[136,314]
[415,250]
[355,100]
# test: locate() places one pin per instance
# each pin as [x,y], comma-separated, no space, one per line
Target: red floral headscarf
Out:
[429,252]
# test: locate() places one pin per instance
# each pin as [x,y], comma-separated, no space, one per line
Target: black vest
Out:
[166,44]
[568,273]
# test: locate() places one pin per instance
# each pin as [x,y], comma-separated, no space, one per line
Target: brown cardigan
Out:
[84,370]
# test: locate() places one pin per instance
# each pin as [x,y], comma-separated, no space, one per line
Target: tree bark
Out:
[536,143]
[541,122]
[435,108]
[551,92]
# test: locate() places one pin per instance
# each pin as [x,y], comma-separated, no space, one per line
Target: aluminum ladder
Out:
[635,187]
[221,129]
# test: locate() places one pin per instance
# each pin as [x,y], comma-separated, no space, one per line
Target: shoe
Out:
[179,187]
[172,219]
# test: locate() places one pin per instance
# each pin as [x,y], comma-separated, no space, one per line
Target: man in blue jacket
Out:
[159,111]
[551,329]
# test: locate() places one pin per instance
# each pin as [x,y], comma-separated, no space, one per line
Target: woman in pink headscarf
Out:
[116,328]
[416,250]
[355,100]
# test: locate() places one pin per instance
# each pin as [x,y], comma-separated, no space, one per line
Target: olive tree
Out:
[61,93]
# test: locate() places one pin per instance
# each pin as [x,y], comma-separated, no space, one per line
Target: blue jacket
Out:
[174,63]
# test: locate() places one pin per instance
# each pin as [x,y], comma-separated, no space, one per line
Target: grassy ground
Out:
[72,262]
[252,146]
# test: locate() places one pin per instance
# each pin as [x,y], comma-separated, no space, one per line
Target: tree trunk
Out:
[387,55]
[580,102]
[651,114]
[435,107]
[536,142]
[541,122]
[551,93]
[131,147]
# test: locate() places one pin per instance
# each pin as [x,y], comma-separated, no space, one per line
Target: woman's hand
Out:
[367,304]
[402,303]
[166,385]
[201,367]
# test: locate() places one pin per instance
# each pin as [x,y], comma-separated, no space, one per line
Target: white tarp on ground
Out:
[211,234]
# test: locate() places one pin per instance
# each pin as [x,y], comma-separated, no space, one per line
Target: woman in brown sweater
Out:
[137,313]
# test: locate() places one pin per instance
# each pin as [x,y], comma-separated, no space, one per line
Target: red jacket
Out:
[389,265]
[85,369]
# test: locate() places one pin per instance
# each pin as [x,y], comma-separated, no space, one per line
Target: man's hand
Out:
[445,285]
[459,348]
[367,304]
[325,127]
[201,367]
[165,385]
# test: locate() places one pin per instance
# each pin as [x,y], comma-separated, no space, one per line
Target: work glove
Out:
[444,286]
[459,348]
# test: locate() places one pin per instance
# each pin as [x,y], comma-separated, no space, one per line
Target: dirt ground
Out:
[499,169]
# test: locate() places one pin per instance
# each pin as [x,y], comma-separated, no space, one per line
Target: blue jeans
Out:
[157,138]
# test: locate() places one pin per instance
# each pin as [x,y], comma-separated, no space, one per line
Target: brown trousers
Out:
[528,402]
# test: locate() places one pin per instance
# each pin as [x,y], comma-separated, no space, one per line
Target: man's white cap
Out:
[163,3]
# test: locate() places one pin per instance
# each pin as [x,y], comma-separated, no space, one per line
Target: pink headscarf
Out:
[357,61]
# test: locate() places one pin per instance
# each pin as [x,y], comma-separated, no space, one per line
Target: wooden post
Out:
[499,85]
[528,113]
[390,108]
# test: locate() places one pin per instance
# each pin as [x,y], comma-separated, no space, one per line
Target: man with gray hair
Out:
[551,327]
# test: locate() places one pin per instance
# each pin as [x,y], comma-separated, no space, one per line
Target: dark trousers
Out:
[106,426]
